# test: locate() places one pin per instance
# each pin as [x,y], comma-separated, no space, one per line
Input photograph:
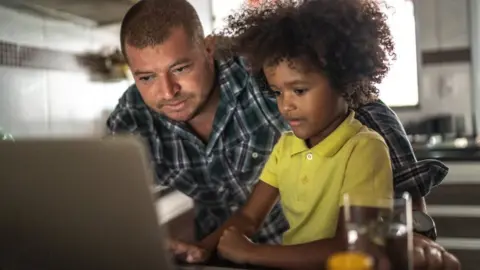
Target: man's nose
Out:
[168,88]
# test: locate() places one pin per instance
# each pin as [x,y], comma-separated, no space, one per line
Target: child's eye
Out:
[276,93]
[300,91]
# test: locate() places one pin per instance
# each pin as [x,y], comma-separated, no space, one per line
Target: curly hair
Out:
[349,41]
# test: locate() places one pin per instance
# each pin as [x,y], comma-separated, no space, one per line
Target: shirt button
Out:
[254,155]
[309,156]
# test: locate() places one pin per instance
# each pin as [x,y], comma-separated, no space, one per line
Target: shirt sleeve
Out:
[120,121]
[368,175]
[409,175]
[269,173]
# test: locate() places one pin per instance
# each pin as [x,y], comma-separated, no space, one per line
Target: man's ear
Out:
[220,46]
[210,45]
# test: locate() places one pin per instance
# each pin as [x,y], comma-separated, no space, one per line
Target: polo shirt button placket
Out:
[309,156]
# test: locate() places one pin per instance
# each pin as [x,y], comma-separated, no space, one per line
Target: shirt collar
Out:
[333,142]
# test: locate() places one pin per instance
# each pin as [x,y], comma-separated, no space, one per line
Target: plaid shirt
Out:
[220,175]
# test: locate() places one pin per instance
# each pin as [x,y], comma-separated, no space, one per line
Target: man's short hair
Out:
[149,22]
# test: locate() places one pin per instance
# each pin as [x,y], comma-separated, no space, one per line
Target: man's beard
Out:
[197,111]
[201,107]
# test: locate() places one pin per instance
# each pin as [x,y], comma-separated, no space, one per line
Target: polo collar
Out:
[333,142]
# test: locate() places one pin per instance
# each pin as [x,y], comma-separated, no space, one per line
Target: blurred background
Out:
[61,74]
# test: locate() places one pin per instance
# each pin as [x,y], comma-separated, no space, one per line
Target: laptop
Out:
[79,204]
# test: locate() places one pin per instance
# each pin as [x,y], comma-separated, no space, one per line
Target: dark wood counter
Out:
[453,154]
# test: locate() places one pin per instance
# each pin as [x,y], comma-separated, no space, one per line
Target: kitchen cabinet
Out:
[442,24]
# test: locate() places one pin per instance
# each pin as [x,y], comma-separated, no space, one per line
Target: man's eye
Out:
[300,91]
[146,78]
[181,69]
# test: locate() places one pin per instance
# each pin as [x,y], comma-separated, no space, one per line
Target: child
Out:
[321,59]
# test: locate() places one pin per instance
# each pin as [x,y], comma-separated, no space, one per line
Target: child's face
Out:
[306,100]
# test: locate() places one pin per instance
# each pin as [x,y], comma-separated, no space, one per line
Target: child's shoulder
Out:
[366,135]
[287,136]
[285,142]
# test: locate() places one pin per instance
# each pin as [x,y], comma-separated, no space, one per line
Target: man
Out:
[211,125]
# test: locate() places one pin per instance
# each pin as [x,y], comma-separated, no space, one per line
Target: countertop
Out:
[449,154]
[205,268]
[460,149]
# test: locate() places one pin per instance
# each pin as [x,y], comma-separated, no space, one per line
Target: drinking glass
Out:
[385,223]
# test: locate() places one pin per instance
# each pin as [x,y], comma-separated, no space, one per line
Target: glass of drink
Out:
[381,224]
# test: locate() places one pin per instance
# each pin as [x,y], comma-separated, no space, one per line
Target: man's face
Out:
[174,78]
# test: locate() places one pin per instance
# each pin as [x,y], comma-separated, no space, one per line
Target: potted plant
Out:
[4,136]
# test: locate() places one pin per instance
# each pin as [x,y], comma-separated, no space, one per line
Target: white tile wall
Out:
[21,28]
[23,99]
[57,103]
[35,102]
[44,102]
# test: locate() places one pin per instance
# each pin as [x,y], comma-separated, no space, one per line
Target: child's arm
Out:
[249,218]
[368,173]
[263,197]
[237,248]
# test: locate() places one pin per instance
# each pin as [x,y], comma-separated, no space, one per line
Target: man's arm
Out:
[409,175]
[415,177]
[121,121]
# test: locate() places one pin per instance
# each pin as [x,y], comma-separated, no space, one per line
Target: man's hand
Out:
[235,246]
[192,253]
[429,255]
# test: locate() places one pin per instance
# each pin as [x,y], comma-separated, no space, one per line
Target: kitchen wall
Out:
[41,102]
[37,102]
[444,88]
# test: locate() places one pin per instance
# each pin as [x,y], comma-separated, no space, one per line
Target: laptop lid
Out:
[78,204]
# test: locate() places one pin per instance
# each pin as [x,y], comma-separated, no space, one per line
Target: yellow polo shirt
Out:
[352,159]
